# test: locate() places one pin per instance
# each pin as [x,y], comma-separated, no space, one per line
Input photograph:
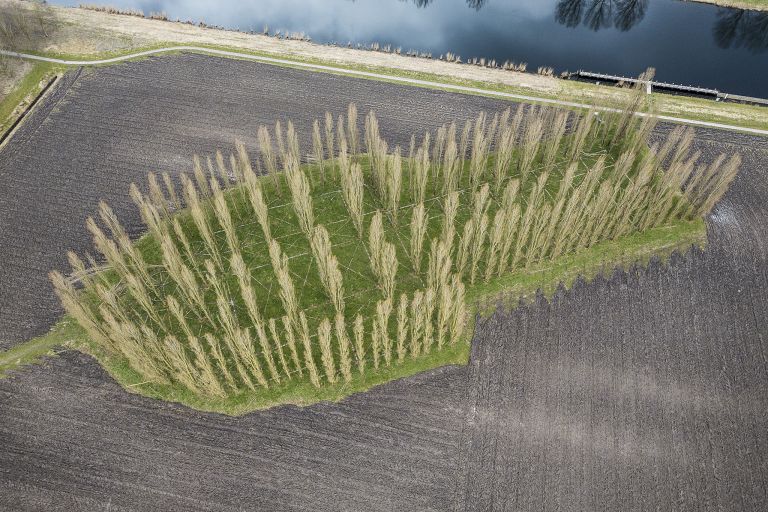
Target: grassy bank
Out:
[14,103]
[759,5]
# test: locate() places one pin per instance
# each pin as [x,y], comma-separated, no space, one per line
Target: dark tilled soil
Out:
[103,129]
[642,390]
[79,442]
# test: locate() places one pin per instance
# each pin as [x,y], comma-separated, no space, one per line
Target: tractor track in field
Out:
[641,390]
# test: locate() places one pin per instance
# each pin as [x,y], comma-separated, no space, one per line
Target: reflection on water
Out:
[734,27]
[597,14]
[748,29]
[689,43]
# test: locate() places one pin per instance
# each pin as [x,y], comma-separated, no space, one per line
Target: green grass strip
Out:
[65,334]
[26,89]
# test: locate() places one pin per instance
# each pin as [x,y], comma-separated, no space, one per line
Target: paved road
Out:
[645,390]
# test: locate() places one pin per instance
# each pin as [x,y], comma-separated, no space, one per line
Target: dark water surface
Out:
[687,43]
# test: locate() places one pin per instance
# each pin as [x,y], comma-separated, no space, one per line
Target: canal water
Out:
[688,43]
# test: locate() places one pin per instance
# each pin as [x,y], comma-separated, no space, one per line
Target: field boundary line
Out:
[8,134]
[378,76]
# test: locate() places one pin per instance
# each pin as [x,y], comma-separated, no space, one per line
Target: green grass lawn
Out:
[25,91]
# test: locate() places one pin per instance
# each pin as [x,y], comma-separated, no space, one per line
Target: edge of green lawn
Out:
[602,258]
[64,335]
[28,87]
[748,116]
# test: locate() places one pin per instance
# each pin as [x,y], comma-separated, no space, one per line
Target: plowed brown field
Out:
[641,390]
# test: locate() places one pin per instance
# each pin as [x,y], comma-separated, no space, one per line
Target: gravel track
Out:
[641,390]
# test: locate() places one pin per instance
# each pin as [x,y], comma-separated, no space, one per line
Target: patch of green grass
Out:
[25,91]
[602,258]
[66,333]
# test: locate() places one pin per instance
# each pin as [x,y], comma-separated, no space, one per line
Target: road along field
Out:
[643,390]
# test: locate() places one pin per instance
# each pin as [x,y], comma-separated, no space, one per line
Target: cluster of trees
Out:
[193,308]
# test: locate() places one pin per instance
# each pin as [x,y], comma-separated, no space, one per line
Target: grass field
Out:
[25,91]
[251,294]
